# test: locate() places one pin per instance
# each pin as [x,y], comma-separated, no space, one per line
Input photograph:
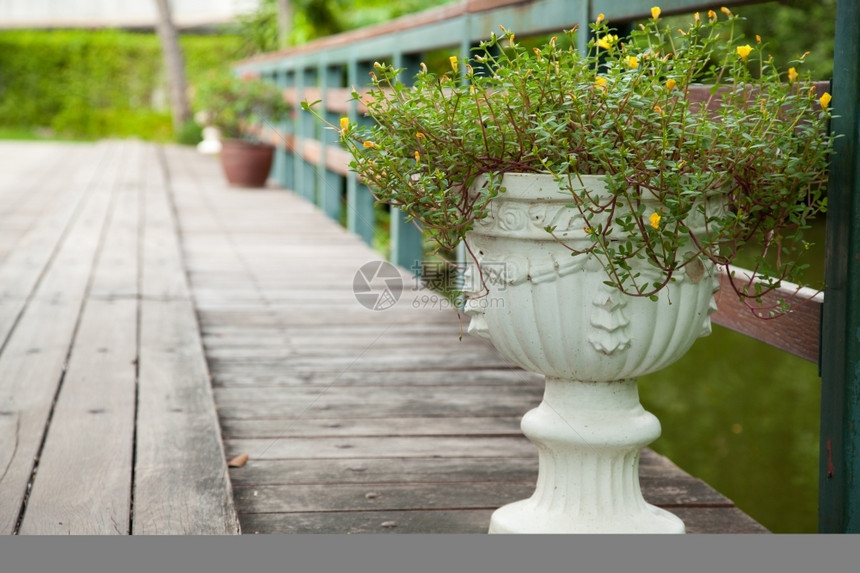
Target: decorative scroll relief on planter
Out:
[609,322]
[552,313]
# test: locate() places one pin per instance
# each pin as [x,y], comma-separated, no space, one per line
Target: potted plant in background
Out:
[236,106]
[596,195]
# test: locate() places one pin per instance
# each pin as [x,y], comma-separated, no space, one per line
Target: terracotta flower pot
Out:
[246,163]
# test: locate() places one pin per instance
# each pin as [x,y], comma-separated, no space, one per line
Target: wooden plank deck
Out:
[107,423]
[130,275]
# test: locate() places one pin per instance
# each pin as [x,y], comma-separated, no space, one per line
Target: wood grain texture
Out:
[85,466]
[33,359]
[181,485]
[797,332]
[83,485]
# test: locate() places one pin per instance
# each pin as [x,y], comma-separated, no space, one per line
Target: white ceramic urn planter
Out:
[550,312]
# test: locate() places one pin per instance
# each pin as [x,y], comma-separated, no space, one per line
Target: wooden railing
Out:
[311,162]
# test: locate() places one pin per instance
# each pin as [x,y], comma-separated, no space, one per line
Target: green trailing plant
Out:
[233,104]
[747,162]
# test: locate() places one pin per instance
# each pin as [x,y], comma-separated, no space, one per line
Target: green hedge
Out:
[91,84]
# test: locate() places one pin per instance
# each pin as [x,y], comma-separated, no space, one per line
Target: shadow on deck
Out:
[131,276]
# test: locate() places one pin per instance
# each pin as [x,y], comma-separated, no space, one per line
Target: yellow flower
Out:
[726,11]
[453,60]
[600,82]
[654,219]
[655,12]
[757,39]
[607,41]
[633,62]
[419,135]
[658,109]
[370,145]
[712,15]
[344,124]
[744,51]
[825,100]
[792,75]
[670,84]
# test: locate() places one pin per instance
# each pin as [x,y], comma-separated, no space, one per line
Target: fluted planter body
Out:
[550,312]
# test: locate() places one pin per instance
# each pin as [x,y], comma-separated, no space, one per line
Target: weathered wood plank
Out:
[84,478]
[85,468]
[699,521]
[416,469]
[333,405]
[379,446]
[323,378]
[181,485]
[374,522]
[334,471]
[34,357]
[23,267]
[725,520]
[388,426]
[283,401]
[442,495]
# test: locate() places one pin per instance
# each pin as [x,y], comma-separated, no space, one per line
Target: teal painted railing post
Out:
[839,460]
[407,240]
[360,215]
[306,128]
[283,156]
[329,183]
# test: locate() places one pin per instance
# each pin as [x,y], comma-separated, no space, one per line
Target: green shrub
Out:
[90,84]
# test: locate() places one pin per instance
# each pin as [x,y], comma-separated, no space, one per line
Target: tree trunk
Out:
[285,20]
[174,65]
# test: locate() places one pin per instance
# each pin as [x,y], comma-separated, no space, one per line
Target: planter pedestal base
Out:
[589,437]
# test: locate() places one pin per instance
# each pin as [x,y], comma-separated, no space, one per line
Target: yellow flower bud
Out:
[696,18]
[825,100]
[792,75]
[600,18]
[417,156]
[344,124]
[655,12]
[453,60]
[712,15]
[726,11]
[370,145]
